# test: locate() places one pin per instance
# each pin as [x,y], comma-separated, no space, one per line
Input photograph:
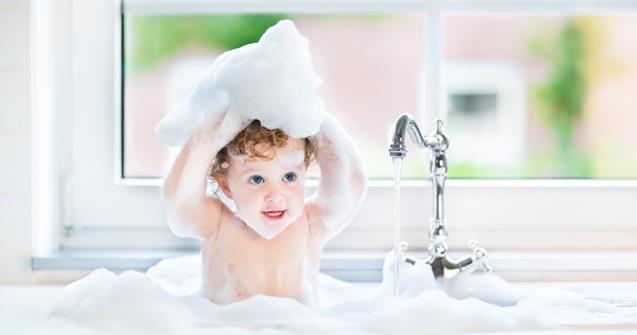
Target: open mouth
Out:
[274,215]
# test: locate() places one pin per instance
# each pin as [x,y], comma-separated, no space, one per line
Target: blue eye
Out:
[256,180]
[289,177]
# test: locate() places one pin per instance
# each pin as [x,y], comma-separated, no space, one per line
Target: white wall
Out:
[15,141]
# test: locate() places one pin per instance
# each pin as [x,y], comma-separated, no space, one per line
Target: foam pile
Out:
[272,80]
[165,299]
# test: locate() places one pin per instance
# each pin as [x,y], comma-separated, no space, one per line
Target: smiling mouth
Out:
[274,215]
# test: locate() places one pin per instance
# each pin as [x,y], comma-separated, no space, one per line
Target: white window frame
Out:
[509,210]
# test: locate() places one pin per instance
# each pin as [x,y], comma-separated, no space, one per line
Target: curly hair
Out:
[246,143]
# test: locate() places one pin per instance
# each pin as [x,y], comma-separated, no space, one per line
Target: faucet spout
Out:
[405,123]
[436,141]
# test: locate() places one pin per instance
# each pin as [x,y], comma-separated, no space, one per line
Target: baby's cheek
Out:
[251,198]
[247,203]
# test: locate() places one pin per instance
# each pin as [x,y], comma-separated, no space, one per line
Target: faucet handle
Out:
[480,255]
[439,124]
[478,251]
[402,248]
[436,140]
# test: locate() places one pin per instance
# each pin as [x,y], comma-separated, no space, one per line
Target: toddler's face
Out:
[268,194]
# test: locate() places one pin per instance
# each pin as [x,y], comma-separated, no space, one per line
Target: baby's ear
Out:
[223,183]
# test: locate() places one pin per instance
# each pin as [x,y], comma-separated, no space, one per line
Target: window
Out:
[165,54]
[110,200]
[564,93]
[541,74]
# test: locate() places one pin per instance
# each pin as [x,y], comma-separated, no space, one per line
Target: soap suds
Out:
[166,299]
[272,81]
[291,159]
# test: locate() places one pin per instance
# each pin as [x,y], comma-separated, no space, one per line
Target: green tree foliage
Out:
[156,38]
[561,96]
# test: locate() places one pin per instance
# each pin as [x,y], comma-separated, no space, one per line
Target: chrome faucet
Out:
[442,265]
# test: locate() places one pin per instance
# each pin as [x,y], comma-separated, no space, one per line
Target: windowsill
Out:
[367,266]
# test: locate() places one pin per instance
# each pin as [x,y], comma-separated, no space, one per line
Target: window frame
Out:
[617,196]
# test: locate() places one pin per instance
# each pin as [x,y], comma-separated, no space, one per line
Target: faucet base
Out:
[446,267]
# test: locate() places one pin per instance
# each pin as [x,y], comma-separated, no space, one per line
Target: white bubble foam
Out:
[165,299]
[272,80]
[291,159]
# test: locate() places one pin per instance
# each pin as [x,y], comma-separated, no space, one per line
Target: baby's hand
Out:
[327,135]
[219,131]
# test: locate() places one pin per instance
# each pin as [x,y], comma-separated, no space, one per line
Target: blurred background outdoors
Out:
[526,96]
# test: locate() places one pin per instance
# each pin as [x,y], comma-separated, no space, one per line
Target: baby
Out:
[272,243]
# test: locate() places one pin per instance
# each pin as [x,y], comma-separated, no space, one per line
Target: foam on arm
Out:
[343,180]
[191,213]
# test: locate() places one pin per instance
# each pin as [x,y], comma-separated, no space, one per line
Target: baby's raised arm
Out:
[343,180]
[191,213]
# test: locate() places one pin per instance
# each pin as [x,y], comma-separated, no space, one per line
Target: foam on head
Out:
[291,159]
[272,80]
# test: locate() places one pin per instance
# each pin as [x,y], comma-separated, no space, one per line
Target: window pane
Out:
[541,96]
[371,67]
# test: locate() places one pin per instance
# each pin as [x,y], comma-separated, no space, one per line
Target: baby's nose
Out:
[274,197]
